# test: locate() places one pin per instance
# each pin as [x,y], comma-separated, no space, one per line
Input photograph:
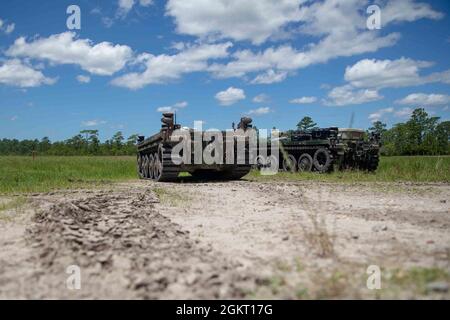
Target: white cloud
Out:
[15,73]
[83,79]
[10,28]
[422,99]
[378,115]
[404,112]
[253,20]
[270,76]
[346,95]
[408,10]
[337,27]
[230,96]
[174,107]
[303,100]
[261,98]
[259,111]
[164,68]
[124,6]
[92,123]
[14,118]
[371,73]
[7,28]
[145,3]
[103,58]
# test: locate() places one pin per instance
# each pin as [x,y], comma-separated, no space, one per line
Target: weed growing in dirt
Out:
[415,279]
[15,205]
[170,197]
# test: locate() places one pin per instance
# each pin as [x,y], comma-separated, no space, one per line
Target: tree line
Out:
[422,134]
[86,143]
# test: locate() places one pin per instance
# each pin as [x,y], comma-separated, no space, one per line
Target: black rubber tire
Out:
[139,167]
[145,167]
[322,160]
[290,164]
[166,170]
[372,165]
[305,163]
[151,166]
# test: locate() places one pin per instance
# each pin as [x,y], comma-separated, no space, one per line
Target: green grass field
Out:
[23,175]
[391,169]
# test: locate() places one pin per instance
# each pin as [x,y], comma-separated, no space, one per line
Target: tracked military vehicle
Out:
[156,161]
[326,149]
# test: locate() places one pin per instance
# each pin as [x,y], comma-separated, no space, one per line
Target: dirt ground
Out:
[243,239]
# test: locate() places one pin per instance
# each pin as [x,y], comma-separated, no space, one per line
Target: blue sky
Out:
[217,61]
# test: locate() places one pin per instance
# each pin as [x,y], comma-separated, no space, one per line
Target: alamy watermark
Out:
[73,22]
[73,281]
[229,147]
[373,22]
[374,278]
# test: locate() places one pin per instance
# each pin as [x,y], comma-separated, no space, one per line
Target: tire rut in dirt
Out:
[126,249]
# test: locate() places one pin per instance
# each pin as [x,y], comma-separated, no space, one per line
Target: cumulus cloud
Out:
[253,20]
[408,10]
[230,96]
[10,28]
[7,28]
[303,100]
[164,68]
[404,112]
[338,26]
[378,115]
[259,111]
[372,73]
[83,79]
[347,95]
[173,108]
[103,58]
[261,98]
[124,6]
[93,123]
[422,99]
[366,77]
[15,73]
[270,76]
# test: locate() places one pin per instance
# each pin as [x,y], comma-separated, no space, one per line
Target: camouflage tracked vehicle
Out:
[323,150]
[155,160]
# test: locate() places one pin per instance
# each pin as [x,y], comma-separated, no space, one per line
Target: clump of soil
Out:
[125,249]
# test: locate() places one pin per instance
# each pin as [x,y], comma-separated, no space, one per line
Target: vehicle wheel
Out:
[322,160]
[260,162]
[372,165]
[140,165]
[289,163]
[305,163]
[145,167]
[157,167]
[272,163]
[151,165]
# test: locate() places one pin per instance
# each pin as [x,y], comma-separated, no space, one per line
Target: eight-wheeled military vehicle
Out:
[325,149]
[156,161]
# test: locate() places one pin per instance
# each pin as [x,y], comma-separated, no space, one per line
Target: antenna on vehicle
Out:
[352,119]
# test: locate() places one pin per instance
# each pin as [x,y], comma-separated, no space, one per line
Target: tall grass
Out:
[391,169]
[23,174]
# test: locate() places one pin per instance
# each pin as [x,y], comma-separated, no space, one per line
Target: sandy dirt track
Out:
[229,240]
